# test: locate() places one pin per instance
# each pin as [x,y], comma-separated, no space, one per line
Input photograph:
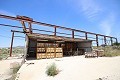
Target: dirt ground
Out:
[5,71]
[72,68]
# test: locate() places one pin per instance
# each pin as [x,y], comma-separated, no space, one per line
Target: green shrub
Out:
[14,71]
[52,70]
[116,44]
[110,52]
[0,58]
[3,56]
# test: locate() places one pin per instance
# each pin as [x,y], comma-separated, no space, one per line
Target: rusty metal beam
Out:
[46,36]
[111,41]
[23,25]
[30,27]
[26,28]
[73,34]
[10,26]
[55,31]
[11,44]
[86,37]
[19,36]
[116,40]
[27,19]
[17,31]
[105,40]
[97,40]
[49,25]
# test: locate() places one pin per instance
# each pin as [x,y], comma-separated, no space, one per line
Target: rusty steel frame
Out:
[11,44]
[30,21]
[49,36]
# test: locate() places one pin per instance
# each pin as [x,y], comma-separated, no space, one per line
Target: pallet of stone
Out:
[41,55]
[59,55]
[41,50]
[50,50]
[59,50]
[90,54]
[50,55]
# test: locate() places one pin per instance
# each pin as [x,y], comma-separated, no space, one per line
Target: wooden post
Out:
[11,44]
[86,36]
[105,40]
[72,34]
[55,31]
[97,40]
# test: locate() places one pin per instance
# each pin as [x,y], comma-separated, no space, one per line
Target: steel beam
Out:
[30,27]
[97,40]
[23,25]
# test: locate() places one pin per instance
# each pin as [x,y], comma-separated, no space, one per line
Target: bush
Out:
[3,56]
[52,70]
[14,68]
[110,52]
[116,44]
[0,58]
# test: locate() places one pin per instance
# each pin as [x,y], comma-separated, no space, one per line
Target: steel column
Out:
[55,31]
[111,41]
[105,40]
[72,34]
[11,44]
[86,37]
[97,40]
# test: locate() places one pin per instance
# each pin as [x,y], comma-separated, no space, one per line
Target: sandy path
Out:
[73,68]
[5,68]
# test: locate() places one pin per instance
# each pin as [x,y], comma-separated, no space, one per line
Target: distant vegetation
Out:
[110,51]
[116,44]
[4,52]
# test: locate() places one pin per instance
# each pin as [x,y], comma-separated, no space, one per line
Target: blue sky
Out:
[99,16]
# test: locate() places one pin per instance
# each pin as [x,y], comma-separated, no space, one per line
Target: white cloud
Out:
[107,24]
[7,13]
[90,8]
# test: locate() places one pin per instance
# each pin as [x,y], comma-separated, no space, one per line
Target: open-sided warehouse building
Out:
[49,46]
